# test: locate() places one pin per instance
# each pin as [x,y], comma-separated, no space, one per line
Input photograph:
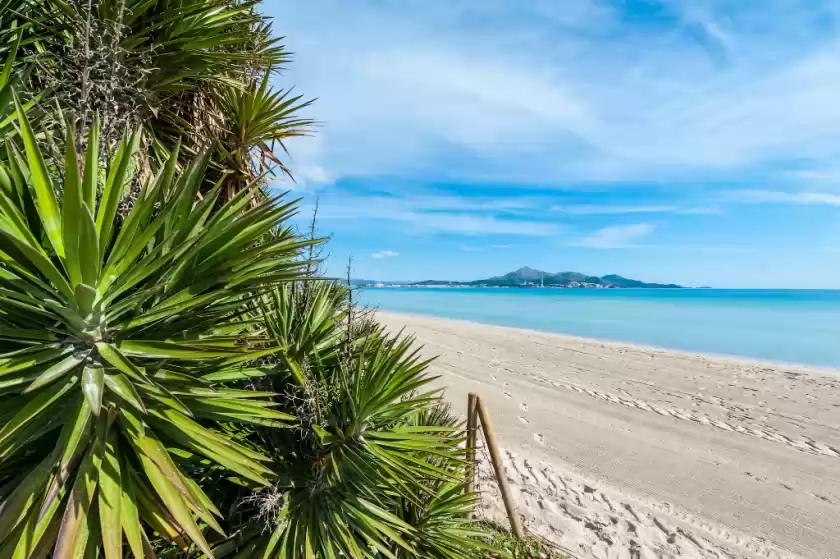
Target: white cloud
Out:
[385,254]
[618,209]
[481,225]
[314,174]
[430,214]
[700,210]
[777,197]
[829,175]
[617,236]
[485,203]
[606,209]
[527,92]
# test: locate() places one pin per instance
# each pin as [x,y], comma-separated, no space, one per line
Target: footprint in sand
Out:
[539,438]
[508,395]
[821,498]
[523,420]
[523,406]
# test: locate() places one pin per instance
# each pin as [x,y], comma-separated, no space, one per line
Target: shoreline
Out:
[744,360]
[620,450]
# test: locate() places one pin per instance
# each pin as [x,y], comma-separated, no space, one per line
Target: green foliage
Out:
[191,71]
[371,467]
[11,76]
[504,545]
[111,332]
[255,118]
[158,49]
[174,380]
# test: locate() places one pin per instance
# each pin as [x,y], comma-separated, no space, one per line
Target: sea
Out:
[783,326]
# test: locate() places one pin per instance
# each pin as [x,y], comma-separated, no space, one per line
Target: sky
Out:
[692,141]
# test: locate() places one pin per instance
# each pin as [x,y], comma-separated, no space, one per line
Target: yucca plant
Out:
[113,333]
[368,469]
[164,372]
[441,522]
[155,62]
[441,517]
[255,120]
[306,318]
[191,71]
[352,458]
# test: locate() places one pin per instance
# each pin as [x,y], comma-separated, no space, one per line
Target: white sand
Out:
[621,451]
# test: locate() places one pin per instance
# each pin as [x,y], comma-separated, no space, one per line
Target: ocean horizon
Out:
[794,326]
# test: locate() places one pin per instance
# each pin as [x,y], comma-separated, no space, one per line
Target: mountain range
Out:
[525,277]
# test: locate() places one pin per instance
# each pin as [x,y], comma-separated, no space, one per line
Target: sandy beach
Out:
[619,451]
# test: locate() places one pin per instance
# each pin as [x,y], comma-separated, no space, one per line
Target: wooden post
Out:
[472,419]
[499,468]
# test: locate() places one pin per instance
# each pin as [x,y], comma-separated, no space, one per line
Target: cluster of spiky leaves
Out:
[369,467]
[253,119]
[112,331]
[148,57]
[196,71]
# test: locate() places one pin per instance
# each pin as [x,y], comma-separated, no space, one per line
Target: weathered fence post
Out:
[498,468]
[472,420]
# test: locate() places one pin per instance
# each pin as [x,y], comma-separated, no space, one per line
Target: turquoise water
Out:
[791,326]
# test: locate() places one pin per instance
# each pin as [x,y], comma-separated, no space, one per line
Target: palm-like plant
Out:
[160,359]
[367,469]
[131,60]
[441,517]
[112,332]
[254,119]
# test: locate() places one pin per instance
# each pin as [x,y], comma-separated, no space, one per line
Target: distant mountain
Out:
[529,277]
[618,281]
[526,275]
[362,282]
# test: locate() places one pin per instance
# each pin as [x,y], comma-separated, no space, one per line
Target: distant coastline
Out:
[529,278]
[442,285]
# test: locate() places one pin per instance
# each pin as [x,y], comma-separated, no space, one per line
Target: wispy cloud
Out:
[478,225]
[476,203]
[447,214]
[822,176]
[384,254]
[779,197]
[501,88]
[604,209]
[314,174]
[617,236]
[701,210]
[619,209]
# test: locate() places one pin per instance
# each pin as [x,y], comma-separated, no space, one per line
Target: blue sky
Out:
[695,142]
